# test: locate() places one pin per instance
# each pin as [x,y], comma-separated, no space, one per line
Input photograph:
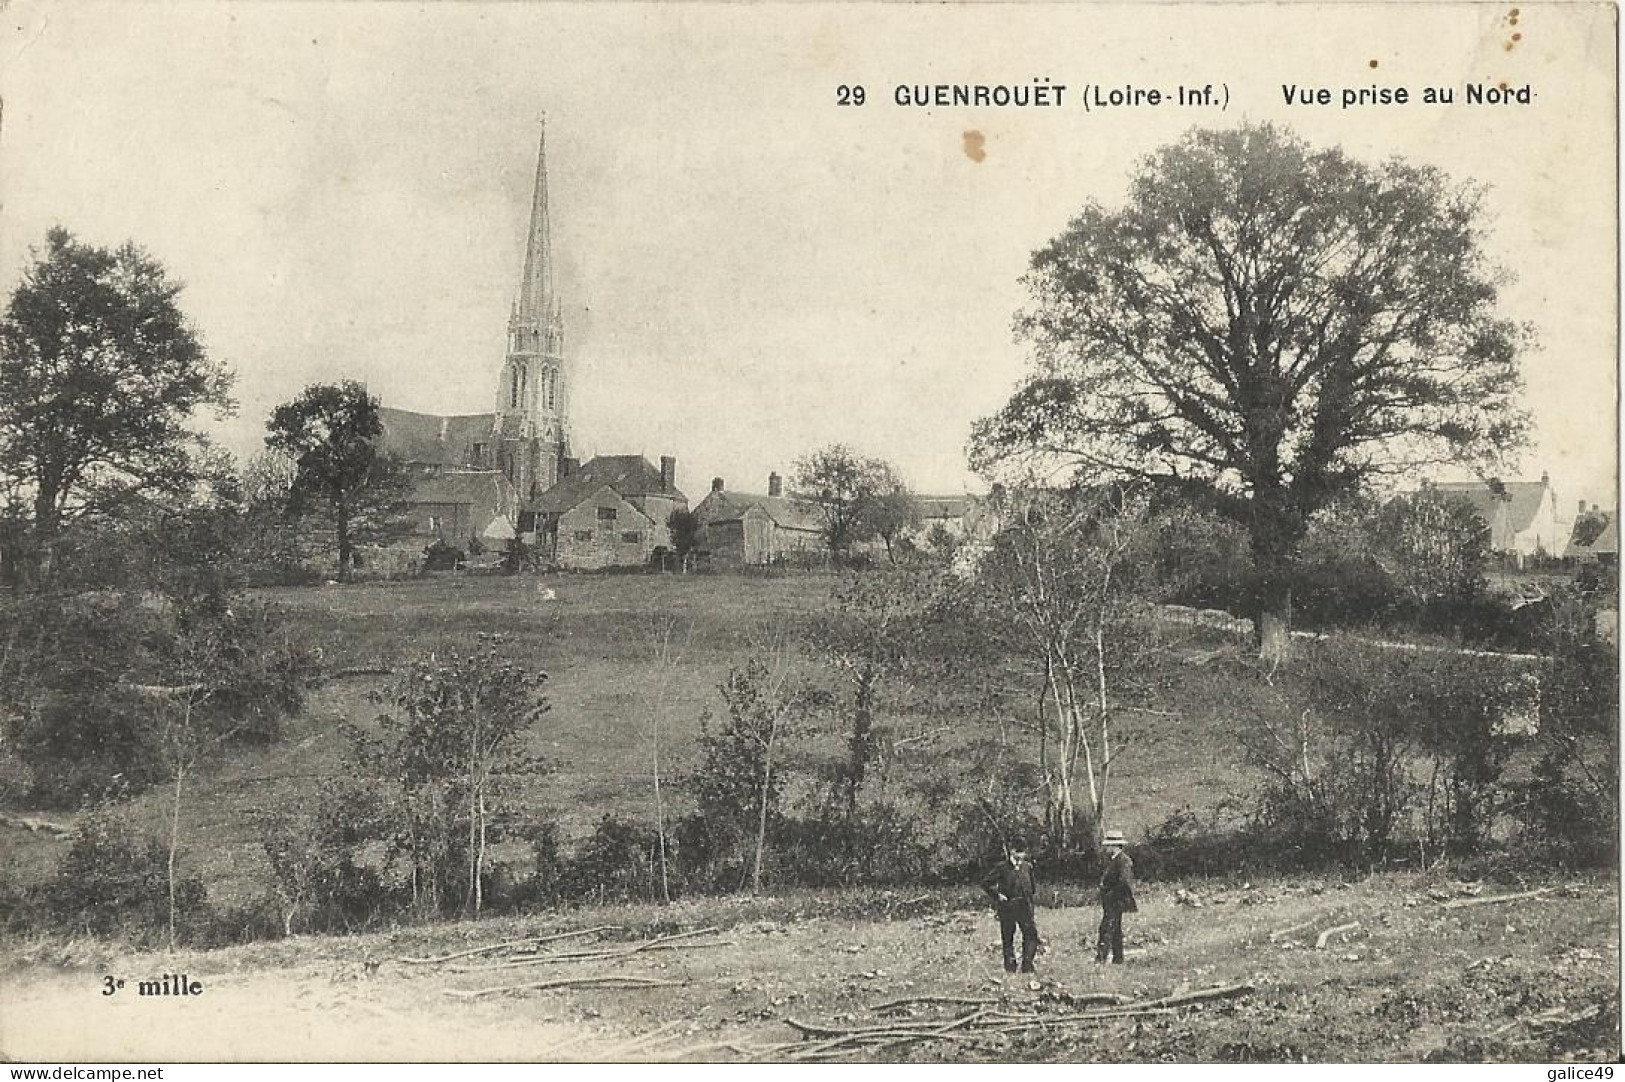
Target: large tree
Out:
[332,433]
[100,373]
[857,497]
[1266,325]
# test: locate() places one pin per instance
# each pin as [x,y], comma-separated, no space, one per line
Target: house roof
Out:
[576,490]
[786,512]
[430,439]
[486,488]
[1520,499]
[945,506]
[629,475]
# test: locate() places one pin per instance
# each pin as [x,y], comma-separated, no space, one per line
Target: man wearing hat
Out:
[1116,897]
[1010,887]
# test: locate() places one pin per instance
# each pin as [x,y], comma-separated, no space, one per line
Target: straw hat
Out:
[1114,837]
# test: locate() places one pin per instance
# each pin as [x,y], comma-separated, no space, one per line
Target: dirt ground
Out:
[1534,979]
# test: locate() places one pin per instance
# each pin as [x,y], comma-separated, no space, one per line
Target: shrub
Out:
[113,881]
[878,845]
[315,861]
[441,556]
[620,862]
[454,742]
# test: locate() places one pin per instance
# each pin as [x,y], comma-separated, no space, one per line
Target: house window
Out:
[632,537]
[606,514]
[583,535]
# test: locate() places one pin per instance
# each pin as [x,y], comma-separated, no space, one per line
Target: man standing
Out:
[1116,898]
[1010,886]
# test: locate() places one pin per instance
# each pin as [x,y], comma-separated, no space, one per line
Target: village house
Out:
[611,512]
[1522,516]
[747,529]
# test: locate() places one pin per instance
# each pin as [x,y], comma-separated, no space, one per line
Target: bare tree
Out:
[1062,578]
[666,657]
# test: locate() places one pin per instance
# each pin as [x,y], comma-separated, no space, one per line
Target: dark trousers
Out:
[1111,936]
[1012,915]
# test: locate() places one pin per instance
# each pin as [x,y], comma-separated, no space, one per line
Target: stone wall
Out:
[588,538]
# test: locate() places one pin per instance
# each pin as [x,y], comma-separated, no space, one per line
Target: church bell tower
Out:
[529,427]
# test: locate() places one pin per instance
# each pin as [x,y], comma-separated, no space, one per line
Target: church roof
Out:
[1520,500]
[482,488]
[431,440]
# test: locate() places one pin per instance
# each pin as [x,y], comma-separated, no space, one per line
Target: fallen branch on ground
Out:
[1320,940]
[1463,903]
[891,1034]
[923,1001]
[980,1025]
[596,955]
[530,941]
[606,980]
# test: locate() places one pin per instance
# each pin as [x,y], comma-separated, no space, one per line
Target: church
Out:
[484,478]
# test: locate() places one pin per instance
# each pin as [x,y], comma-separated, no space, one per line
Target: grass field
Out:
[595,637]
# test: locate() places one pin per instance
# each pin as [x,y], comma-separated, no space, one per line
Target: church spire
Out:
[536,299]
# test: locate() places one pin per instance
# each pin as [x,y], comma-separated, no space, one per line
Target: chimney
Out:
[1545,478]
[1582,508]
[716,484]
[668,473]
[775,485]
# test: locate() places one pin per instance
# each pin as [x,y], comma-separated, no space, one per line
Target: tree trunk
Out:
[1272,624]
[174,844]
[761,824]
[660,813]
[341,524]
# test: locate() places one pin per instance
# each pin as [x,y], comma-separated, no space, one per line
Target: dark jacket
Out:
[1117,884]
[1016,884]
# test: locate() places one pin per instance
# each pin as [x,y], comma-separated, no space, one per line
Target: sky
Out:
[749,270]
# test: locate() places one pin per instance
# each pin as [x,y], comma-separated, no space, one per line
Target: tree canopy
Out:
[857,497]
[1266,325]
[100,373]
[331,432]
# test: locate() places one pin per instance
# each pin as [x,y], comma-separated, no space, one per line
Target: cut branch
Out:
[607,980]
[1463,903]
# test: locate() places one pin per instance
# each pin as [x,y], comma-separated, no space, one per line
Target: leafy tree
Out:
[878,622]
[741,776]
[99,374]
[1434,546]
[455,735]
[331,432]
[1588,526]
[684,527]
[846,490]
[1266,325]
[893,512]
